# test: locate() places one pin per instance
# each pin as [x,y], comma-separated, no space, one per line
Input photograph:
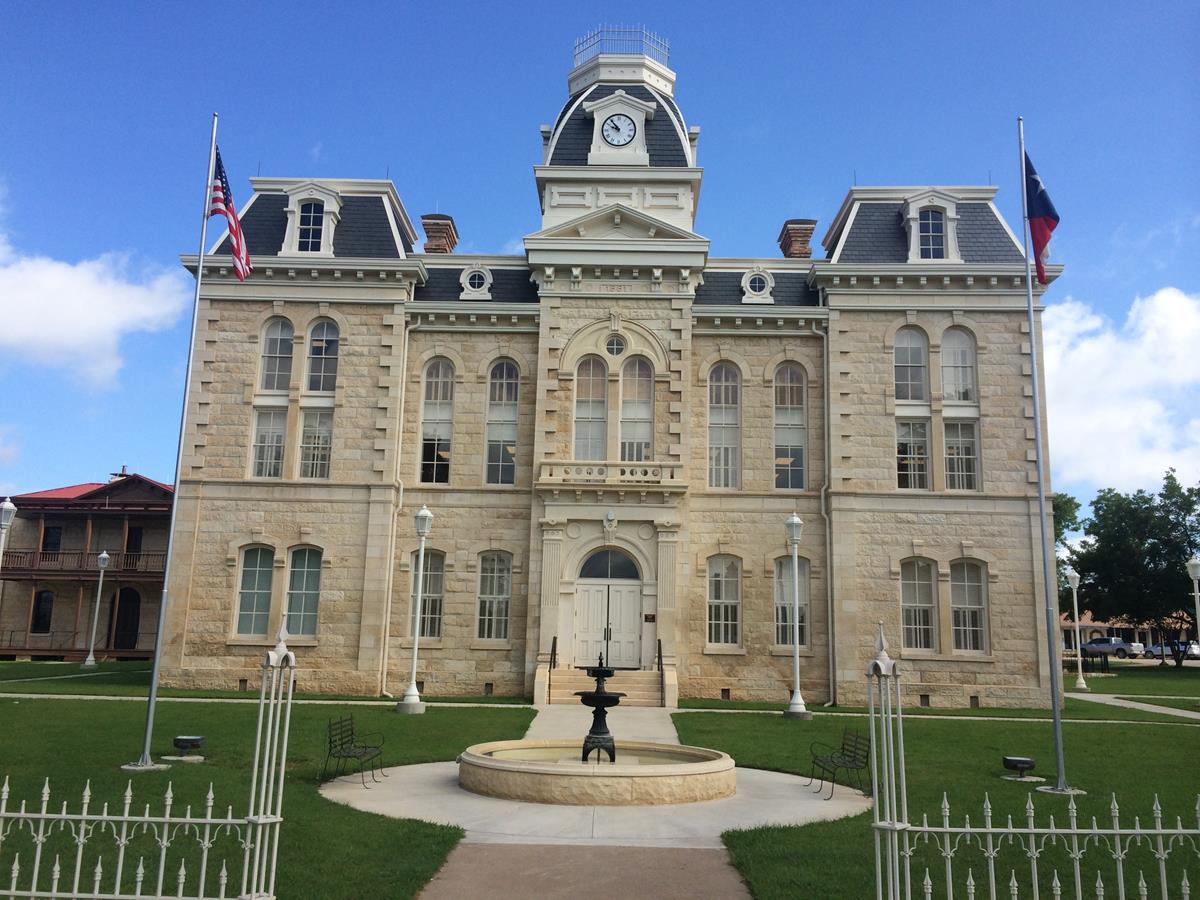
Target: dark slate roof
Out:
[877,235]
[508,285]
[791,289]
[575,134]
[362,232]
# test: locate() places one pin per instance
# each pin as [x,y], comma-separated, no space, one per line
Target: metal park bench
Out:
[854,755]
[345,746]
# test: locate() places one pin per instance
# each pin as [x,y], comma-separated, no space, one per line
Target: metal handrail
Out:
[637,41]
[662,677]
[553,663]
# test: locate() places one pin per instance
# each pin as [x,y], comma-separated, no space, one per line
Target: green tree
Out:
[1066,518]
[1132,562]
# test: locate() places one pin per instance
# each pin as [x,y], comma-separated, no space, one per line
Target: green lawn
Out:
[962,759]
[1133,678]
[74,741]
[1192,704]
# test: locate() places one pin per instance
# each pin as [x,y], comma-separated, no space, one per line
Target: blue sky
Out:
[108,105]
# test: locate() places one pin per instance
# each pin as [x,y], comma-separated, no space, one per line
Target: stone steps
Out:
[640,688]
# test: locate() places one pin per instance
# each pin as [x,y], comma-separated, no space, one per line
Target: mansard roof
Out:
[666,140]
[724,287]
[509,285]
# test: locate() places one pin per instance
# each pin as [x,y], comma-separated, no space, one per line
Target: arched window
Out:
[312,221]
[724,600]
[784,606]
[503,391]
[323,356]
[933,234]
[958,366]
[967,604]
[432,582]
[43,612]
[790,426]
[437,421]
[254,593]
[277,355]
[591,409]
[304,591]
[917,605]
[609,563]
[724,426]
[495,594]
[637,410]
[912,365]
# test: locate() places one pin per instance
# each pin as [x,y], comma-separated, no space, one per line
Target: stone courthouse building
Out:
[610,430]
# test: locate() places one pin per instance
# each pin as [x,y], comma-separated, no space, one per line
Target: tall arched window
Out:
[917,604]
[933,234]
[254,593]
[724,426]
[637,410]
[784,604]
[304,591]
[503,391]
[495,594]
[591,409]
[912,365]
[312,222]
[724,600]
[323,356]
[967,604]
[432,586]
[43,612]
[277,355]
[790,426]
[958,366]
[437,421]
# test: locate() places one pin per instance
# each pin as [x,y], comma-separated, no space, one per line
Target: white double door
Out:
[608,620]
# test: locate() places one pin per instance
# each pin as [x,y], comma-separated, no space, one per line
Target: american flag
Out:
[222,204]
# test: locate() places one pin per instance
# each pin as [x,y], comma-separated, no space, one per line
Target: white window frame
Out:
[437,422]
[591,420]
[962,467]
[960,382]
[433,595]
[277,355]
[791,420]
[749,294]
[724,426]
[331,211]
[910,351]
[931,233]
[316,443]
[322,367]
[254,600]
[918,605]
[484,292]
[724,607]
[270,442]
[503,416]
[495,595]
[968,606]
[783,601]
[918,479]
[637,410]
[304,594]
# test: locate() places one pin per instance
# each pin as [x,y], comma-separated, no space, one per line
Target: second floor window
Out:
[432,582]
[724,426]
[312,221]
[958,366]
[503,392]
[51,538]
[316,443]
[933,234]
[962,457]
[277,355]
[637,411]
[323,356]
[912,455]
[437,421]
[270,426]
[912,365]
[591,409]
[790,430]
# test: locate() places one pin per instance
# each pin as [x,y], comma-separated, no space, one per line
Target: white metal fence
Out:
[1011,856]
[48,850]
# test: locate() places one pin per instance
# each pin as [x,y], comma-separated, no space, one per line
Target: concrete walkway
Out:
[635,723]
[1109,700]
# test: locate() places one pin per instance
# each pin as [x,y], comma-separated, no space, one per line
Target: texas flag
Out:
[1043,217]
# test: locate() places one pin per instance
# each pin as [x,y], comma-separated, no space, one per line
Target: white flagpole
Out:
[145,762]
[1048,575]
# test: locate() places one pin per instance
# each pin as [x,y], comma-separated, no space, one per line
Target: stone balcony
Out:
[603,476]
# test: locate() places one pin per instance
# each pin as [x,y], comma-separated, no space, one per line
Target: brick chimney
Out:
[440,234]
[794,238]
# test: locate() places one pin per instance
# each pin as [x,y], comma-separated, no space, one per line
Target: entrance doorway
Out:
[608,611]
[124,619]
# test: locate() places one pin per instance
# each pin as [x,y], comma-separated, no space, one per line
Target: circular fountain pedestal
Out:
[551,772]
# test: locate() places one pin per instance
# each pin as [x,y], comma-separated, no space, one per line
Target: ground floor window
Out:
[917,604]
[43,612]
[304,591]
[724,600]
[254,595]
[784,601]
[967,605]
[495,595]
[431,594]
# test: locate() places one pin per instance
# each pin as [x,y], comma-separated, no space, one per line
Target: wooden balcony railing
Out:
[79,562]
[619,475]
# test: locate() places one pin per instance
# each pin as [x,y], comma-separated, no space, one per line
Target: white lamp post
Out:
[1193,567]
[412,698]
[1073,581]
[102,562]
[796,709]
[8,510]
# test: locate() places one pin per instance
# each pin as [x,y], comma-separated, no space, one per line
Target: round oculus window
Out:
[476,281]
[615,345]
[757,284]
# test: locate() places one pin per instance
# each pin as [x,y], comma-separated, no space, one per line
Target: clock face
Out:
[618,130]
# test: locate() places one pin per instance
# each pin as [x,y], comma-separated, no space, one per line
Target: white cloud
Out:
[315,151]
[1124,399]
[72,316]
[9,450]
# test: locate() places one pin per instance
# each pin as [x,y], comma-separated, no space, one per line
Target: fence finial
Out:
[882,664]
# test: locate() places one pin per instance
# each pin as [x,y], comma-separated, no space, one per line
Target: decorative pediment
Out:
[616,223]
[618,100]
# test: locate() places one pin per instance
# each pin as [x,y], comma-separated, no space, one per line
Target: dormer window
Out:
[933,234]
[476,283]
[312,221]
[757,285]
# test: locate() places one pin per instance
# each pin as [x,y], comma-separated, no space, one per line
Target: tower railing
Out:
[622,41]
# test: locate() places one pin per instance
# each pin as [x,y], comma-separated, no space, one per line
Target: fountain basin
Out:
[550,772]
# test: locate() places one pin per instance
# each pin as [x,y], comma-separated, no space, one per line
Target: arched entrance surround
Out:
[608,610]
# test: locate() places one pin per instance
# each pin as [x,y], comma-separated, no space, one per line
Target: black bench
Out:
[345,746]
[854,755]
